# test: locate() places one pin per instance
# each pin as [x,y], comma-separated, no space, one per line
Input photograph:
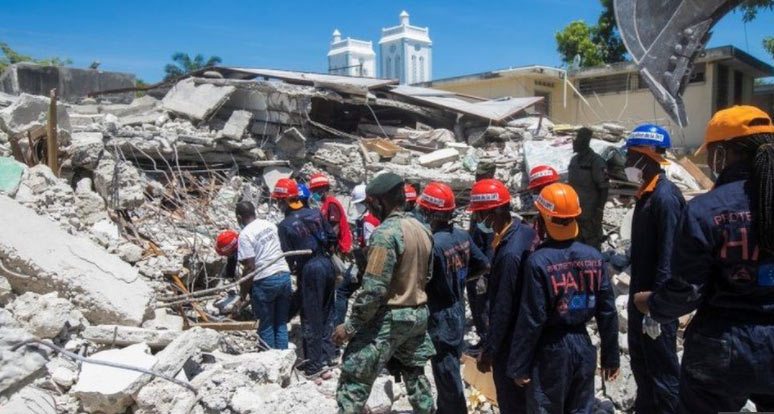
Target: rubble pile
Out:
[143,189]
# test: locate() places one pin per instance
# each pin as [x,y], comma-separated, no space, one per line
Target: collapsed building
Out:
[110,257]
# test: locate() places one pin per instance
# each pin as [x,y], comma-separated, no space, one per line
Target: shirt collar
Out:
[649,186]
[498,238]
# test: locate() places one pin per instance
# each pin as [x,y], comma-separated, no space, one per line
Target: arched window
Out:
[422,69]
[398,72]
[388,71]
[413,69]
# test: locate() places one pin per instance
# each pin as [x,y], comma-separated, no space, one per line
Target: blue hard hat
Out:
[649,135]
[303,192]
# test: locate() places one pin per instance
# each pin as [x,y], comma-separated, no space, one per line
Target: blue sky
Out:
[468,36]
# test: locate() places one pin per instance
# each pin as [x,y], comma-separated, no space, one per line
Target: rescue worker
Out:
[226,246]
[539,178]
[332,210]
[587,174]
[411,198]
[565,285]
[258,248]
[652,347]
[364,226]
[476,288]
[304,194]
[389,316]
[723,266]
[304,228]
[455,257]
[490,203]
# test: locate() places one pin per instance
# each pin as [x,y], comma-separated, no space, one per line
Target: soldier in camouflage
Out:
[389,317]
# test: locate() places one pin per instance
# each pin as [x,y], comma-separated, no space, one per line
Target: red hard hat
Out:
[226,243]
[488,194]
[437,197]
[318,180]
[541,176]
[285,188]
[411,192]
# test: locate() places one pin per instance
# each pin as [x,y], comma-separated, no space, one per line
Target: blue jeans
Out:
[271,305]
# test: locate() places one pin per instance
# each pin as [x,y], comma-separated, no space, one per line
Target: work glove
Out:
[650,327]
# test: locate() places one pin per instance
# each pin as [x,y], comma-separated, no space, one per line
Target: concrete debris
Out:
[623,389]
[109,390]
[128,335]
[106,289]
[86,149]
[269,367]
[185,346]
[292,143]
[30,400]
[438,158]
[6,293]
[119,183]
[237,125]
[19,367]
[31,112]
[273,174]
[196,102]
[46,316]
[164,321]
[130,253]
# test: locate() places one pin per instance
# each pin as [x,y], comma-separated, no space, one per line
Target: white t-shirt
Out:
[259,240]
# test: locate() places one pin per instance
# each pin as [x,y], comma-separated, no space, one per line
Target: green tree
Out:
[596,44]
[750,11]
[575,40]
[184,64]
[11,57]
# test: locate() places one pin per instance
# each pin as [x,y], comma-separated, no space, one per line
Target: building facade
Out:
[723,77]
[351,57]
[406,52]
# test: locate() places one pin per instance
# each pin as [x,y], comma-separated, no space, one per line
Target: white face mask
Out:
[634,173]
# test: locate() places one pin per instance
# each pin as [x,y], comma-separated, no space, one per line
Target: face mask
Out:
[484,228]
[360,209]
[714,167]
[634,174]
[317,197]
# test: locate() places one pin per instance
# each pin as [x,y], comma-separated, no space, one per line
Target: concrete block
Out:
[164,321]
[292,143]
[129,190]
[109,390]
[139,119]
[30,400]
[128,335]
[21,366]
[273,174]
[237,124]
[31,112]
[438,158]
[86,148]
[185,346]
[45,316]
[269,367]
[105,288]
[164,397]
[194,101]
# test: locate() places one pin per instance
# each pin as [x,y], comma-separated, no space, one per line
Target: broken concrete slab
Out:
[46,316]
[105,288]
[438,158]
[237,125]
[127,192]
[6,293]
[19,367]
[128,335]
[138,106]
[269,367]
[109,390]
[164,397]
[30,112]
[30,400]
[194,101]
[292,143]
[139,119]
[11,172]
[182,348]
[164,321]
[273,174]
[86,149]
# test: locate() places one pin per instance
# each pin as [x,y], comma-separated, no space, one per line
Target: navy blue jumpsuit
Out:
[654,361]
[504,292]
[565,285]
[306,229]
[454,257]
[717,268]
[479,306]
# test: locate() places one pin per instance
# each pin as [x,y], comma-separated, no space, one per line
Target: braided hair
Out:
[760,149]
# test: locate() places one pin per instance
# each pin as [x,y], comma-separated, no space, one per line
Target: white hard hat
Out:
[359,193]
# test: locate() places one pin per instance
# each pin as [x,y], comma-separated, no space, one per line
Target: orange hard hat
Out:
[411,192]
[488,194]
[226,243]
[318,180]
[285,188]
[559,201]
[541,176]
[736,122]
[437,197]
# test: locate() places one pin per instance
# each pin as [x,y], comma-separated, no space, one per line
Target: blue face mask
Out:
[484,228]
[317,197]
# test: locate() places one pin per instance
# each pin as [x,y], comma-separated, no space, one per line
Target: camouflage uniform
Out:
[385,332]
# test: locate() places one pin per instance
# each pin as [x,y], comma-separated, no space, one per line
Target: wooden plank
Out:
[52,149]
[228,326]
[482,381]
[195,305]
[696,172]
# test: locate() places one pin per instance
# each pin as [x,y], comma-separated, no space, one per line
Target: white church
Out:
[405,53]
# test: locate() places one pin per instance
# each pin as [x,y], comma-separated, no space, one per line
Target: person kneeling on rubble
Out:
[389,316]
[455,258]
[270,288]
[490,203]
[723,266]
[301,229]
[565,285]
[652,346]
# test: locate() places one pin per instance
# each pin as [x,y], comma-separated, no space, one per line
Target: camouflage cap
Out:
[485,167]
[382,184]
